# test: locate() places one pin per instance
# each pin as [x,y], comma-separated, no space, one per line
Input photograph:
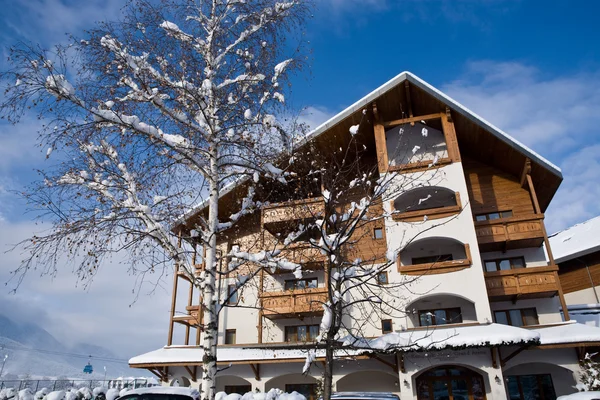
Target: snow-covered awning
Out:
[192,355]
[569,332]
[440,338]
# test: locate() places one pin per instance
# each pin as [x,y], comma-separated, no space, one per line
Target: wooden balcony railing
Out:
[293,303]
[305,254]
[193,317]
[276,215]
[440,267]
[510,233]
[522,283]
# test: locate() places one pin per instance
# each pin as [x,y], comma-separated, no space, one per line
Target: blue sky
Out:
[530,67]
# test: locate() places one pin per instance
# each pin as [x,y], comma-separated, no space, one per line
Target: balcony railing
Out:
[303,253]
[440,267]
[293,303]
[522,283]
[275,216]
[510,233]
[193,317]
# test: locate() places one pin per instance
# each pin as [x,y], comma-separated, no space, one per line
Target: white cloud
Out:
[314,116]
[556,116]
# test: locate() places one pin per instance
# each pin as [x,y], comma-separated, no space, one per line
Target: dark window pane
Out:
[530,316]
[313,332]
[291,334]
[386,325]
[440,317]
[547,387]
[232,294]
[513,388]
[239,389]
[382,278]
[454,316]
[490,266]
[529,384]
[504,265]
[230,336]
[289,285]
[378,233]
[506,214]
[517,262]
[311,283]
[494,216]
[501,317]
[515,318]
[481,217]
[302,333]
[425,318]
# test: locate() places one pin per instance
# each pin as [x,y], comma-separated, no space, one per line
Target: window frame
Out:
[497,261]
[305,280]
[309,338]
[228,332]
[385,321]
[487,215]
[375,230]
[509,319]
[235,299]
[427,259]
[433,316]
[387,278]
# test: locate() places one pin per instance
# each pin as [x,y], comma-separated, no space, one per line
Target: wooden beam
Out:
[192,374]
[256,370]
[450,136]
[526,171]
[380,142]
[512,355]
[408,100]
[173,304]
[494,357]
[401,363]
[403,121]
[158,375]
[394,367]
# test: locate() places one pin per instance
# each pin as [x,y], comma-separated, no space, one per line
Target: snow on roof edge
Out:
[581,238]
[365,100]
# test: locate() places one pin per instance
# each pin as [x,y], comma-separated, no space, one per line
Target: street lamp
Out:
[3,363]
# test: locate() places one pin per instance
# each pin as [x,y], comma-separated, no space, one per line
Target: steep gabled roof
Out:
[444,98]
[547,176]
[576,241]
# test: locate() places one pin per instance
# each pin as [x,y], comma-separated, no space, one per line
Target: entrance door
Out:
[450,383]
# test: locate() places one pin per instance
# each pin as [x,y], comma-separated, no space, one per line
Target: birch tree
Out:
[148,116]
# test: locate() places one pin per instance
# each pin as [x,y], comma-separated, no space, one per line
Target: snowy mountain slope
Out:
[23,342]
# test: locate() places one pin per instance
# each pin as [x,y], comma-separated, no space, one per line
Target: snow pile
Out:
[568,332]
[576,241]
[8,393]
[273,394]
[581,396]
[439,338]
[40,394]
[26,394]
[112,394]
[57,395]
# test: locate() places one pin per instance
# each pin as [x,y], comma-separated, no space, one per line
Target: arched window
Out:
[450,382]
[433,201]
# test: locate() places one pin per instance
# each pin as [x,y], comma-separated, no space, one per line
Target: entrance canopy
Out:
[568,333]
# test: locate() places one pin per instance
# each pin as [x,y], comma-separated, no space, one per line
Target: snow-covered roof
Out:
[439,338]
[567,332]
[576,241]
[193,355]
[369,98]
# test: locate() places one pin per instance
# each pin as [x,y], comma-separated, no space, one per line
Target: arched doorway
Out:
[450,382]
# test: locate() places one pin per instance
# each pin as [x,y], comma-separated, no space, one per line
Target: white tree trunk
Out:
[209,300]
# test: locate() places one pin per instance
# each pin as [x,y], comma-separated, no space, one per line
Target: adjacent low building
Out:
[482,321]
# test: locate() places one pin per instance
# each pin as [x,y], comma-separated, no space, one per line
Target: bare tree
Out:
[146,118]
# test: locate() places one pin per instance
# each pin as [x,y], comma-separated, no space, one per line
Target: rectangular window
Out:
[230,336]
[440,316]
[294,284]
[386,326]
[517,317]
[301,333]
[432,259]
[493,215]
[378,233]
[524,387]
[239,389]
[232,295]
[382,278]
[504,264]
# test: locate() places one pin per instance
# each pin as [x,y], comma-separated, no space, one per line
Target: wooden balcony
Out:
[294,303]
[193,317]
[522,283]
[510,233]
[440,267]
[277,217]
[303,253]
